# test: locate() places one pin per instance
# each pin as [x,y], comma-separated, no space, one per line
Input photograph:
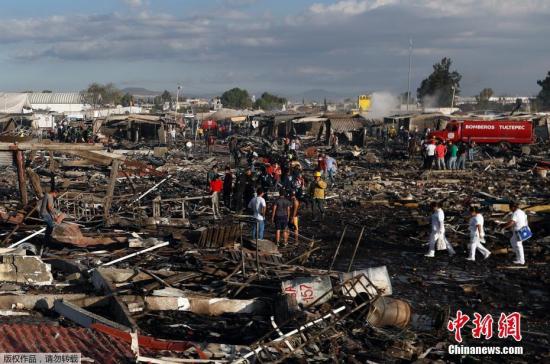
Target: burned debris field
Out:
[298,239]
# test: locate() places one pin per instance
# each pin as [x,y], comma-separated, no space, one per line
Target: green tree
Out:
[437,89]
[236,98]
[99,94]
[46,91]
[166,96]
[127,100]
[270,102]
[483,97]
[543,98]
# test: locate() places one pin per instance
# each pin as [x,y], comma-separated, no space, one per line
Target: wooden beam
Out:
[110,190]
[35,182]
[22,177]
[50,146]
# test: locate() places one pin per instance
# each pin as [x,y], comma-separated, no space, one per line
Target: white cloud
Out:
[349,7]
[442,7]
[134,3]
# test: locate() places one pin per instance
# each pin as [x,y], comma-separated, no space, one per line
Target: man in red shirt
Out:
[216,186]
[440,152]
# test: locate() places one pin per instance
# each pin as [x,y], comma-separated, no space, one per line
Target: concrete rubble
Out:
[140,256]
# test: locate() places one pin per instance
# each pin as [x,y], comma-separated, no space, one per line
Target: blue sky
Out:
[283,46]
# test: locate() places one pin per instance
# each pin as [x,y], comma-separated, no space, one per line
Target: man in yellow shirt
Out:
[317,192]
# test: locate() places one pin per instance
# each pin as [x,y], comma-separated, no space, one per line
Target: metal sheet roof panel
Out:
[41,338]
[43,98]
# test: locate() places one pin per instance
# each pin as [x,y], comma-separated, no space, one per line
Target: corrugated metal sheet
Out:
[6,158]
[345,125]
[41,98]
[44,338]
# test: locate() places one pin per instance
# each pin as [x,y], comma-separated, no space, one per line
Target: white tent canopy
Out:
[13,103]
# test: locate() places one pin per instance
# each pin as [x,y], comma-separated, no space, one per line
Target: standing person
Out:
[516,223]
[213,172]
[238,192]
[173,135]
[227,185]
[333,142]
[294,221]
[277,173]
[437,234]
[430,155]
[322,164]
[280,217]
[471,151]
[258,207]
[332,168]
[216,186]
[440,152]
[461,157]
[249,186]
[48,213]
[453,153]
[477,235]
[317,192]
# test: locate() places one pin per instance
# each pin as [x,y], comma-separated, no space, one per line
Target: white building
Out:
[216,104]
[60,102]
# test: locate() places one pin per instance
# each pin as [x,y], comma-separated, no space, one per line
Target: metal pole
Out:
[338,248]
[242,249]
[453,99]
[409,78]
[355,251]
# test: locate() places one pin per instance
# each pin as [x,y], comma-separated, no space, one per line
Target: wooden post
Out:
[22,177]
[110,190]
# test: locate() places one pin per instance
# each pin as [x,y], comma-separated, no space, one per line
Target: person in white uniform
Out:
[437,234]
[516,223]
[477,235]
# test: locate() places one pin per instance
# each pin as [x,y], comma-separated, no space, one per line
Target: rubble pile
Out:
[138,255]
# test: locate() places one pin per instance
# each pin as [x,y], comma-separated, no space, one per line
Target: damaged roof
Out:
[346,124]
[44,338]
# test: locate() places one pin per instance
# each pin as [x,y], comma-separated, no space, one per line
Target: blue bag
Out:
[524,233]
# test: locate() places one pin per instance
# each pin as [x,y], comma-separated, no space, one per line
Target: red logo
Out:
[508,326]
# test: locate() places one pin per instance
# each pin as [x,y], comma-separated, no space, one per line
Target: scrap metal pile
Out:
[140,263]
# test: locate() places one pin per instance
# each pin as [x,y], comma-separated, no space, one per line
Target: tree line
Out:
[443,83]
[436,90]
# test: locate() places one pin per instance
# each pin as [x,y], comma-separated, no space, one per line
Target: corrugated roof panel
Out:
[44,338]
[345,125]
[41,98]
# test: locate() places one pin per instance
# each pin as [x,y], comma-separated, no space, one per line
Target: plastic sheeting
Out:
[13,103]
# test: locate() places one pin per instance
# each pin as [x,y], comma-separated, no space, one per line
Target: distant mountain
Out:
[320,95]
[140,91]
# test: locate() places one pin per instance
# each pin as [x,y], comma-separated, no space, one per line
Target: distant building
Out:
[507,100]
[216,104]
[60,102]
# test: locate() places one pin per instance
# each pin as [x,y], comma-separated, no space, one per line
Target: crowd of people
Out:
[66,133]
[447,155]
[256,175]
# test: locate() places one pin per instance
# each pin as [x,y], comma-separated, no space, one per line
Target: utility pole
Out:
[409,80]
[453,98]
[177,104]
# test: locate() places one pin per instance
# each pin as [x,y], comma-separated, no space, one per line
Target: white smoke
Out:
[383,104]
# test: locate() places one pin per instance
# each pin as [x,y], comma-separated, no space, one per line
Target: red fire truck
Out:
[487,131]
